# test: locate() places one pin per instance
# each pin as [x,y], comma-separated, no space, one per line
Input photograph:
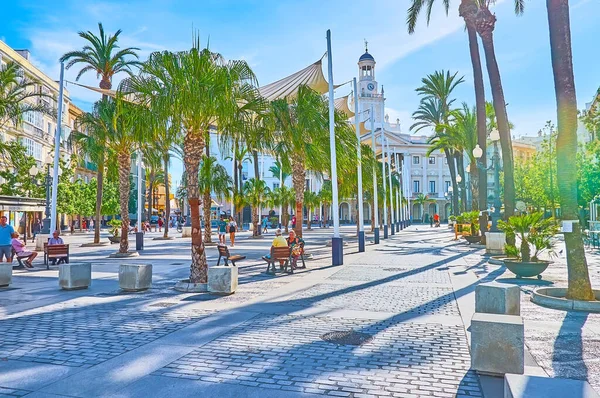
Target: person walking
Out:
[160,224]
[91,224]
[294,222]
[232,230]
[222,230]
[264,224]
[6,231]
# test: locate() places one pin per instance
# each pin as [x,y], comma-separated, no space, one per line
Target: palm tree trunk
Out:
[124,161]
[257,176]
[256,227]
[299,181]
[485,27]
[285,218]
[150,195]
[167,197]
[566,145]
[460,166]
[99,188]
[193,146]
[452,168]
[206,204]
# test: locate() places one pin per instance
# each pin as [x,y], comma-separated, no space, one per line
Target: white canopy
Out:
[341,104]
[312,76]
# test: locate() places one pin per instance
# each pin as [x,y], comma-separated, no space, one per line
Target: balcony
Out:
[368,95]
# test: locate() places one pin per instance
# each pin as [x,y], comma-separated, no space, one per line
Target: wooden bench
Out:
[55,252]
[281,255]
[226,256]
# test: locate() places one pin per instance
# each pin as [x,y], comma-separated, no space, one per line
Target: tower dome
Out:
[366,57]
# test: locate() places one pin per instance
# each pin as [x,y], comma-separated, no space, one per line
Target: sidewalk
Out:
[397,314]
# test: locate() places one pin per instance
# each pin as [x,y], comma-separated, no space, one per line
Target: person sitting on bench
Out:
[297,245]
[279,241]
[56,240]
[21,251]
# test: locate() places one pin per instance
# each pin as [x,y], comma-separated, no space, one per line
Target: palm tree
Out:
[124,133]
[283,196]
[199,89]
[566,145]
[464,132]
[325,197]
[280,170]
[103,55]
[257,192]
[303,127]
[311,201]
[154,174]
[423,200]
[213,179]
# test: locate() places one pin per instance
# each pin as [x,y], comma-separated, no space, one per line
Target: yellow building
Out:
[522,151]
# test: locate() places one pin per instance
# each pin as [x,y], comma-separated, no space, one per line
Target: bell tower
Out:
[367,85]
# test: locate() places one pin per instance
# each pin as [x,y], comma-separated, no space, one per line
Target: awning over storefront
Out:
[16,203]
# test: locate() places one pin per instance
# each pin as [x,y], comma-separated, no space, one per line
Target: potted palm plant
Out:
[536,235]
[472,218]
[115,229]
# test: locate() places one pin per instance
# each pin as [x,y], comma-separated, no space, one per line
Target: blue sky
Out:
[278,38]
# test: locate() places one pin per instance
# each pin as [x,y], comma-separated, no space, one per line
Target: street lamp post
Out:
[361,227]
[375,200]
[449,197]
[495,137]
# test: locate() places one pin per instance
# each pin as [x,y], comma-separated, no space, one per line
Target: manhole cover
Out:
[162,305]
[347,337]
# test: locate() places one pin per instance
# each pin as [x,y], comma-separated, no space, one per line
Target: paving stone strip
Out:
[287,353]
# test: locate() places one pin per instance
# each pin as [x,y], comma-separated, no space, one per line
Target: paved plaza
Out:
[391,322]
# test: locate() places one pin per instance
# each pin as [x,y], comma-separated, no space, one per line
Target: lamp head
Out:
[450,190]
[477,152]
[458,178]
[49,159]
[495,135]
[33,171]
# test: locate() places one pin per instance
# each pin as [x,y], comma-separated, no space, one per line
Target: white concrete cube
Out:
[135,277]
[498,298]
[497,344]
[5,274]
[74,276]
[40,239]
[520,386]
[494,242]
[222,279]
[186,232]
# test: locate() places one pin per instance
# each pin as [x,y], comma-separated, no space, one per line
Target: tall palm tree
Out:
[311,201]
[257,192]
[124,134]
[280,170]
[303,127]
[464,132]
[200,89]
[566,145]
[102,55]
[154,174]
[213,179]
[423,200]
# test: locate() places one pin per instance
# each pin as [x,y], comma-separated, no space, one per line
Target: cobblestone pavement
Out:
[399,294]
[287,353]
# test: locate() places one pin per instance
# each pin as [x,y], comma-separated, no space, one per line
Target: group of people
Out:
[225,226]
[265,223]
[10,242]
[292,241]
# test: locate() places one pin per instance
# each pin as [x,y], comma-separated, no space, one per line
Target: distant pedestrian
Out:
[84,224]
[160,224]
[232,230]
[222,224]
[264,224]
[6,231]
[91,224]
[294,221]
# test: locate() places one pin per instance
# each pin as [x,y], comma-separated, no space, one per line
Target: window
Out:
[445,160]
[416,159]
[34,149]
[432,187]
[432,160]
[49,128]
[447,184]
[416,186]
[34,118]
[275,185]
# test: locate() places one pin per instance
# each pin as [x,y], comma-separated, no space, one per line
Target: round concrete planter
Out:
[526,269]
[187,287]
[472,238]
[554,297]
[114,239]
[124,255]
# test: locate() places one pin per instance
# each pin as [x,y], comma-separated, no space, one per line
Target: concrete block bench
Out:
[74,276]
[135,277]
[498,298]
[519,386]
[5,274]
[497,344]
[222,279]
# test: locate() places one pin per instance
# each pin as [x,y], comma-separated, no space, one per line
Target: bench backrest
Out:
[280,252]
[223,250]
[57,249]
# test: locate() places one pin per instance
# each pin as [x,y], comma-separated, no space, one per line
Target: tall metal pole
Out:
[361,227]
[337,246]
[280,187]
[139,236]
[233,171]
[57,148]
[392,216]
[375,204]
[398,210]
[383,177]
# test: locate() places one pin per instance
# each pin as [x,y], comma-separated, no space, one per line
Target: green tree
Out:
[101,54]
[197,88]
[566,145]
